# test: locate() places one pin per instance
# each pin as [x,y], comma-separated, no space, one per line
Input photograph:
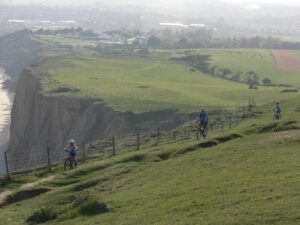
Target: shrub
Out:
[267,82]
[42,215]
[89,205]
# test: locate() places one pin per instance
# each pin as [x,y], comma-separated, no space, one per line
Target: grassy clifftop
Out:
[251,178]
[151,83]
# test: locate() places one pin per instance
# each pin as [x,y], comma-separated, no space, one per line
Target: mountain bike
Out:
[70,163]
[277,116]
[202,130]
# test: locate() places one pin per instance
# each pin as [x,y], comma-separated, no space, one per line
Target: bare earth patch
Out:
[5,194]
[34,184]
[286,60]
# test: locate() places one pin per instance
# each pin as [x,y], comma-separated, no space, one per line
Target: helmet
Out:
[72,141]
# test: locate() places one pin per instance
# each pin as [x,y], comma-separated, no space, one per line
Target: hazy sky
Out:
[146,2]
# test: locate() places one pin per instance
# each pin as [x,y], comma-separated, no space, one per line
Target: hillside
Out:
[250,179]
[83,93]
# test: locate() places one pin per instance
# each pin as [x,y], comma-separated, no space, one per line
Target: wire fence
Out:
[46,158]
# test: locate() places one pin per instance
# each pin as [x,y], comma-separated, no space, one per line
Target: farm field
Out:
[260,61]
[65,40]
[253,179]
[137,84]
[286,60]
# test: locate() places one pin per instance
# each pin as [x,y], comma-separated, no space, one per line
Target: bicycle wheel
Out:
[67,164]
[205,132]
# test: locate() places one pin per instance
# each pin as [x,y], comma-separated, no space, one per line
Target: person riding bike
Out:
[203,122]
[277,115]
[72,151]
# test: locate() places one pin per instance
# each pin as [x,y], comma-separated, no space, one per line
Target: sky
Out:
[76,2]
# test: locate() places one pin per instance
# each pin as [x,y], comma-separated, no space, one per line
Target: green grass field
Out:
[154,83]
[65,40]
[251,180]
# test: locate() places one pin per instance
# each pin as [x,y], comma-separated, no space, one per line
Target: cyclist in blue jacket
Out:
[72,151]
[203,121]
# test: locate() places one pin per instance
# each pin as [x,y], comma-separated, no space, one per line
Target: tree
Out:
[225,72]
[154,42]
[213,70]
[252,79]
[237,76]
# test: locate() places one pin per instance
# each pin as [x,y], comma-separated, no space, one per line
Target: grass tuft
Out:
[42,215]
[87,204]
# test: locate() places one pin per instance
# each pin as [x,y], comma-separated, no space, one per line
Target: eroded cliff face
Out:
[39,121]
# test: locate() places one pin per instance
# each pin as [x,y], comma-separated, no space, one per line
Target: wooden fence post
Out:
[230,121]
[48,158]
[137,141]
[222,125]
[158,135]
[6,165]
[83,152]
[174,135]
[113,145]
[237,118]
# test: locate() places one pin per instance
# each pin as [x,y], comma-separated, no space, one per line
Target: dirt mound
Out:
[134,158]
[286,60]
[88,184]
[208,144]
[289,91]
[228,138]
[23,195]
[164,155]
[279,126]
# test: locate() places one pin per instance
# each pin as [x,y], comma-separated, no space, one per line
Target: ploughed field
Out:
[287,60]
[155,82]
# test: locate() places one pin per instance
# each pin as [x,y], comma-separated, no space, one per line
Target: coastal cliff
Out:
[39,121]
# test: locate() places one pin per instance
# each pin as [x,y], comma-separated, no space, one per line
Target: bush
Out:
[267,82]
[89,205]
[42,215]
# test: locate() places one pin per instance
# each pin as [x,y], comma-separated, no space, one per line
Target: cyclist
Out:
[203,122]
[72,151]
[277,111]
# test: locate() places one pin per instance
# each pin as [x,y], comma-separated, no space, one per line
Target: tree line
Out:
[181,39]
[201,63]
[203,38]
[79,31]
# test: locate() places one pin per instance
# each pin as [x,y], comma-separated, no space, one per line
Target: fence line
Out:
[134,141]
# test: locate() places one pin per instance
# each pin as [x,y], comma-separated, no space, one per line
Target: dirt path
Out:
[5,194]
[36,183]
[286,60]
